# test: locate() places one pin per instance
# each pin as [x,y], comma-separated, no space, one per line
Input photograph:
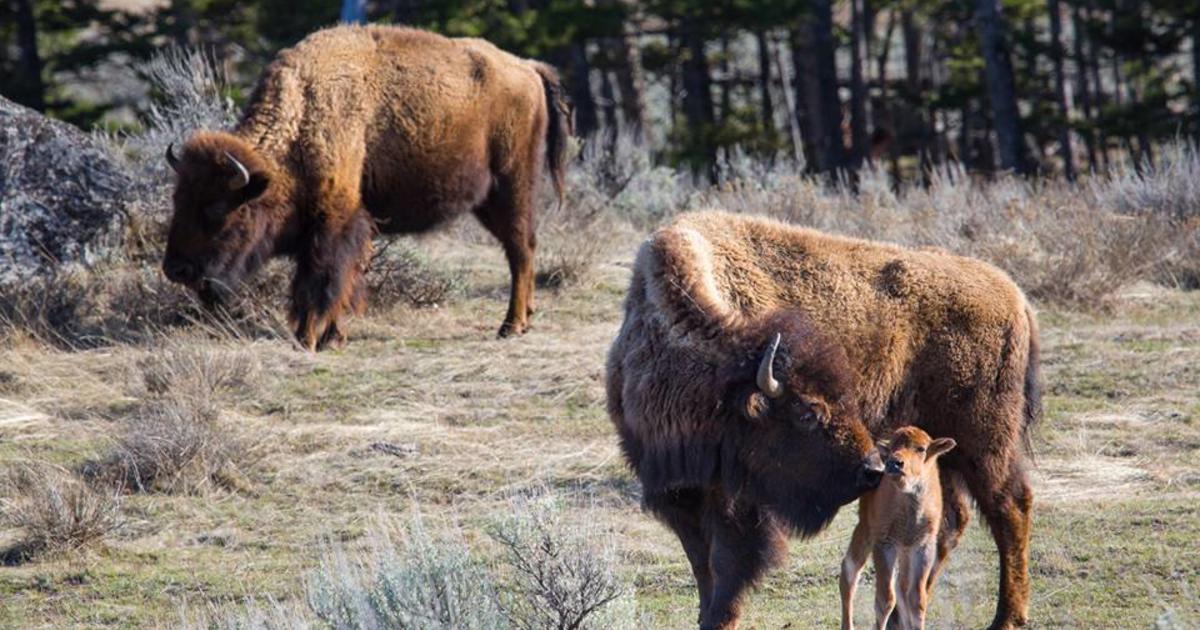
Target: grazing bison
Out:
[756,360]
[358,129]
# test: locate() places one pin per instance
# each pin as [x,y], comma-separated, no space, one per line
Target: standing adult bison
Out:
[364,128]
[755,361]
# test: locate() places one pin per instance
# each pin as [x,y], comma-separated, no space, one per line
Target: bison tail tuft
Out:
[559,129]
[1033,383]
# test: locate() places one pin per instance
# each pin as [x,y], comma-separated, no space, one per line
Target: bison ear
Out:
[253,189]
[939,446]
[754,405]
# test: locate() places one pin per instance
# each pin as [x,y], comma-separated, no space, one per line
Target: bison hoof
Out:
[512,329]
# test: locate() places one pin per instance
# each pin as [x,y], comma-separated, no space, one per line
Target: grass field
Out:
[426,411]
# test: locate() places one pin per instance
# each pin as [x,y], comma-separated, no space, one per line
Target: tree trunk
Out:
[1085,90]
[998,73]
[608,106]
[1060,89]
[858,89]
[793,113]
[912,87]
[889,116]
[1196,76]
[825,112]
[697,95]
[579,84]
[765,103]
[32,90]
[631,82]
[1098,94]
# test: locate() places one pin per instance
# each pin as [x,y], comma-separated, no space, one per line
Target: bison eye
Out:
[802,414]
[920,449]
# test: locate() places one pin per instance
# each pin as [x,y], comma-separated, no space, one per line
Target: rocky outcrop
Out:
[63,195]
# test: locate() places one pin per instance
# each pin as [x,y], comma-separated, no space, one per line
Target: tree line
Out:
[1027,86]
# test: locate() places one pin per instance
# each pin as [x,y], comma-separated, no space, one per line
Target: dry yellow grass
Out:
[426,408]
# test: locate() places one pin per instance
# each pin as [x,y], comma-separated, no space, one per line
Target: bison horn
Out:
[242,177]
[766,371]
[172,159]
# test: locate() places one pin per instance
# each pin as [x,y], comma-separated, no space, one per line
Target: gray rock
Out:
[63,195]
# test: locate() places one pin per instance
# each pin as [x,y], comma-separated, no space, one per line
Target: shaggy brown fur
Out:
[941,341]
[358,129]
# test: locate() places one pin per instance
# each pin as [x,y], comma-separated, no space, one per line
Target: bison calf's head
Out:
[910,454]
[222,228]
[805,451]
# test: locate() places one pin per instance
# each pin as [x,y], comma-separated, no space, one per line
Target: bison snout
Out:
[180,270]
[871,472]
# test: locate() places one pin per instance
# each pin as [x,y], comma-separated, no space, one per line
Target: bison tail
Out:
[559,128]
[1033,382]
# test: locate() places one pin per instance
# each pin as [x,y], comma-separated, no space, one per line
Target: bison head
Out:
[802,447]
[223,225]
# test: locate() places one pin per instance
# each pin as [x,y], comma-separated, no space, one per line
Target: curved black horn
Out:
[766,371]
[172,159]
[241,177]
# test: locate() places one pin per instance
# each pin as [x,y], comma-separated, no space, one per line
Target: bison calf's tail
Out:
[559,127]
[1033,382]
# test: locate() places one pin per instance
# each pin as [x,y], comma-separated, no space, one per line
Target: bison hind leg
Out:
[508,215]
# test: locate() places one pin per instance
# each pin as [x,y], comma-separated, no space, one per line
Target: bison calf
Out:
[899,524]
[364,129]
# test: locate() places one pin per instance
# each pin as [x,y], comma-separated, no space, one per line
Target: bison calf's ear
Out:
[940,446]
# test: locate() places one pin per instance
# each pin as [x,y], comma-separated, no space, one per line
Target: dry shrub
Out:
[572,241]
[1169,189]
[55,511]
[409,579]
[400,273]
[176,439]
[127,302]
[558,574]
[608,184]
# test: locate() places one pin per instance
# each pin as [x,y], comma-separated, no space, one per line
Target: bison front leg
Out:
[744,545]
[683,510]
[329,282]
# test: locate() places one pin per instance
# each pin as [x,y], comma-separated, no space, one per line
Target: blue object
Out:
[354,11]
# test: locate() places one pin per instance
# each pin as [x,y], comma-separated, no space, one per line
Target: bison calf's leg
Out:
[329,281]
[852,565]
[885,584]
